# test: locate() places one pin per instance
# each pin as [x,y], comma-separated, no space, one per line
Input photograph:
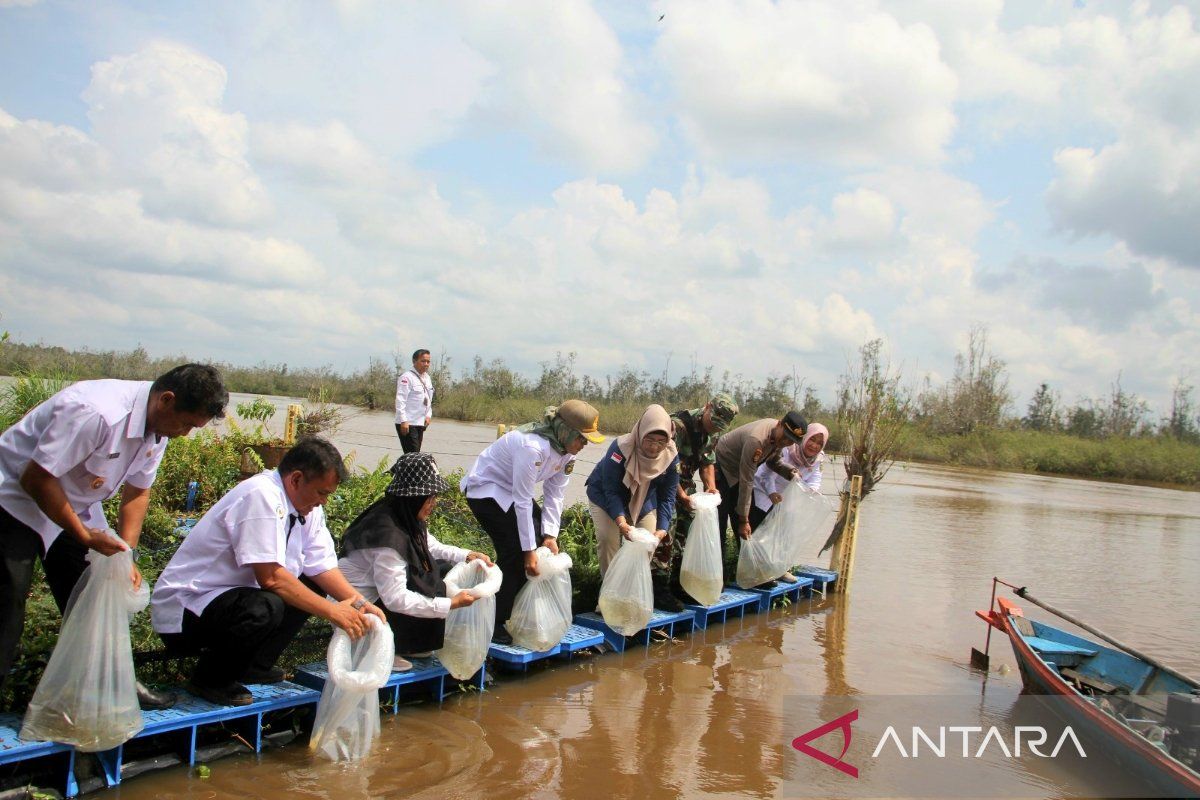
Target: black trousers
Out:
[727,512]
[240,629]
[757,515]
[411,442]
[501,528]
[20,547]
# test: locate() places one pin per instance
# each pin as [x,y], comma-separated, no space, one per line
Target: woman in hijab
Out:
[389,554]
[805,458]
[500,487]
[634,485]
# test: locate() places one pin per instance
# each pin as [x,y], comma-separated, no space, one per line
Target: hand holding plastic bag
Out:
[469,629]
[774,547]
[88,695]
[347,721]
[541,612]
[627,594]
[701,570]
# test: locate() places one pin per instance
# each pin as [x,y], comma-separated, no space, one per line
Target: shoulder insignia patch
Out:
[758,455]
[617,457]
[569,467]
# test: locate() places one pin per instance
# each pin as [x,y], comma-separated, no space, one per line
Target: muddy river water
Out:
[707,715]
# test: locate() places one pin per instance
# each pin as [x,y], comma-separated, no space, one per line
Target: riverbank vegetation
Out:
[971,420]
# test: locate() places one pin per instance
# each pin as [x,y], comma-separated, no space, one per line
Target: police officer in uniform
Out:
[64,459]
[414,403]
[696,433]
[739,454]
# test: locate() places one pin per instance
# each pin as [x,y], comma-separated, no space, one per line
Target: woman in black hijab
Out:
[388,553]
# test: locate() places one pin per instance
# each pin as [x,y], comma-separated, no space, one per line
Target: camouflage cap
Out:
[724,409]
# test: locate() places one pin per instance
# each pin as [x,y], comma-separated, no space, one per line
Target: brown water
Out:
[703,716]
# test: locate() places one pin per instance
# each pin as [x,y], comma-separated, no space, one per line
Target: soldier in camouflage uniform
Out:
[696,434]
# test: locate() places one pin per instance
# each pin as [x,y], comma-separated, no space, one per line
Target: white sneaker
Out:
[401,664]
[787,577]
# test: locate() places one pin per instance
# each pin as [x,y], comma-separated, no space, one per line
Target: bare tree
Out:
[873,409]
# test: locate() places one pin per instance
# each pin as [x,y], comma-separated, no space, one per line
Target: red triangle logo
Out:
[842,723]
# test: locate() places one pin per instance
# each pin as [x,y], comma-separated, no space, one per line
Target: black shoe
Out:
[256,675]
[231,694]
[501,636]
[154,700]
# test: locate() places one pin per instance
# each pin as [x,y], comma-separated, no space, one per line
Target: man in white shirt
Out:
[252,571]
[70,454]
[500,486]
[414,403]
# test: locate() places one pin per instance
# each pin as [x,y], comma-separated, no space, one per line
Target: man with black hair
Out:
[65,458]
[252,571]
[414,403]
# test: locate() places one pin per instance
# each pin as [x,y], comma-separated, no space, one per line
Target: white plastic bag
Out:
[542,610]
[627,595]
[469,629]
[88,695]
[701,570]
[347,721]
[810,518]
[774,547]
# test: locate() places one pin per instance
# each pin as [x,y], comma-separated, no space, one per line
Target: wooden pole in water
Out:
[295,411]
[842,561]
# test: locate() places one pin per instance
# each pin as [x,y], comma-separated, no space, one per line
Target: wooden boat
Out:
[1144,714]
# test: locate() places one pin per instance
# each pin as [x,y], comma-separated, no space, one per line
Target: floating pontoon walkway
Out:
[191,713]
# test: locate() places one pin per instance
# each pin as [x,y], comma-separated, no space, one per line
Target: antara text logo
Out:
[946,741]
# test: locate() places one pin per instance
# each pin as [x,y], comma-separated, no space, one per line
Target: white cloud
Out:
[327,154]
[807,80]
[158,111]
[558,77]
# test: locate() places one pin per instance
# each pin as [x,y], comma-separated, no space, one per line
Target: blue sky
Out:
[763,186]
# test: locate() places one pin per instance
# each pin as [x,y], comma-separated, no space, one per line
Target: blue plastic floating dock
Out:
[186,716]
[732,600]
[13,749]
[426,671]
[514,655]
[821,577]
[792,591]
[659,620]
[579,638]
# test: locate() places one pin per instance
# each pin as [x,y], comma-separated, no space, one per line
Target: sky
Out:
[757,186]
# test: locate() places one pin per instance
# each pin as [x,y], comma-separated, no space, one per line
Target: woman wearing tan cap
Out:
[501,484]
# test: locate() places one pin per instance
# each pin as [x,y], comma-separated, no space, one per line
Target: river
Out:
[704,716]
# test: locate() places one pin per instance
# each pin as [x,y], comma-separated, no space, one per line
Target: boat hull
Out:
[1163,775]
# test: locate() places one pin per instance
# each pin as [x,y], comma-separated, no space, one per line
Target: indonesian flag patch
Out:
[617,457]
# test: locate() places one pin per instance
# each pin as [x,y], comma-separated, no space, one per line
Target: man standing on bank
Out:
[696,433]
[252,571]
[414,403]
[500,485]
[69,455]
[739,453]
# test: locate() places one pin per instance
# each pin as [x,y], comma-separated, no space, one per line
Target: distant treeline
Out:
[970,420]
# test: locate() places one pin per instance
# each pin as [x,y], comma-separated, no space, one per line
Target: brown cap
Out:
[583,418]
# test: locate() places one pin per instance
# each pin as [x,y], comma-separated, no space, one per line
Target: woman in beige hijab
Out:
[639,472]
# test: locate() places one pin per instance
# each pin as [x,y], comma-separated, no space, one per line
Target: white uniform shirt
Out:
[509,469]
[414,397]
[249,525]
[767,481]
[90,436]
[380,573]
